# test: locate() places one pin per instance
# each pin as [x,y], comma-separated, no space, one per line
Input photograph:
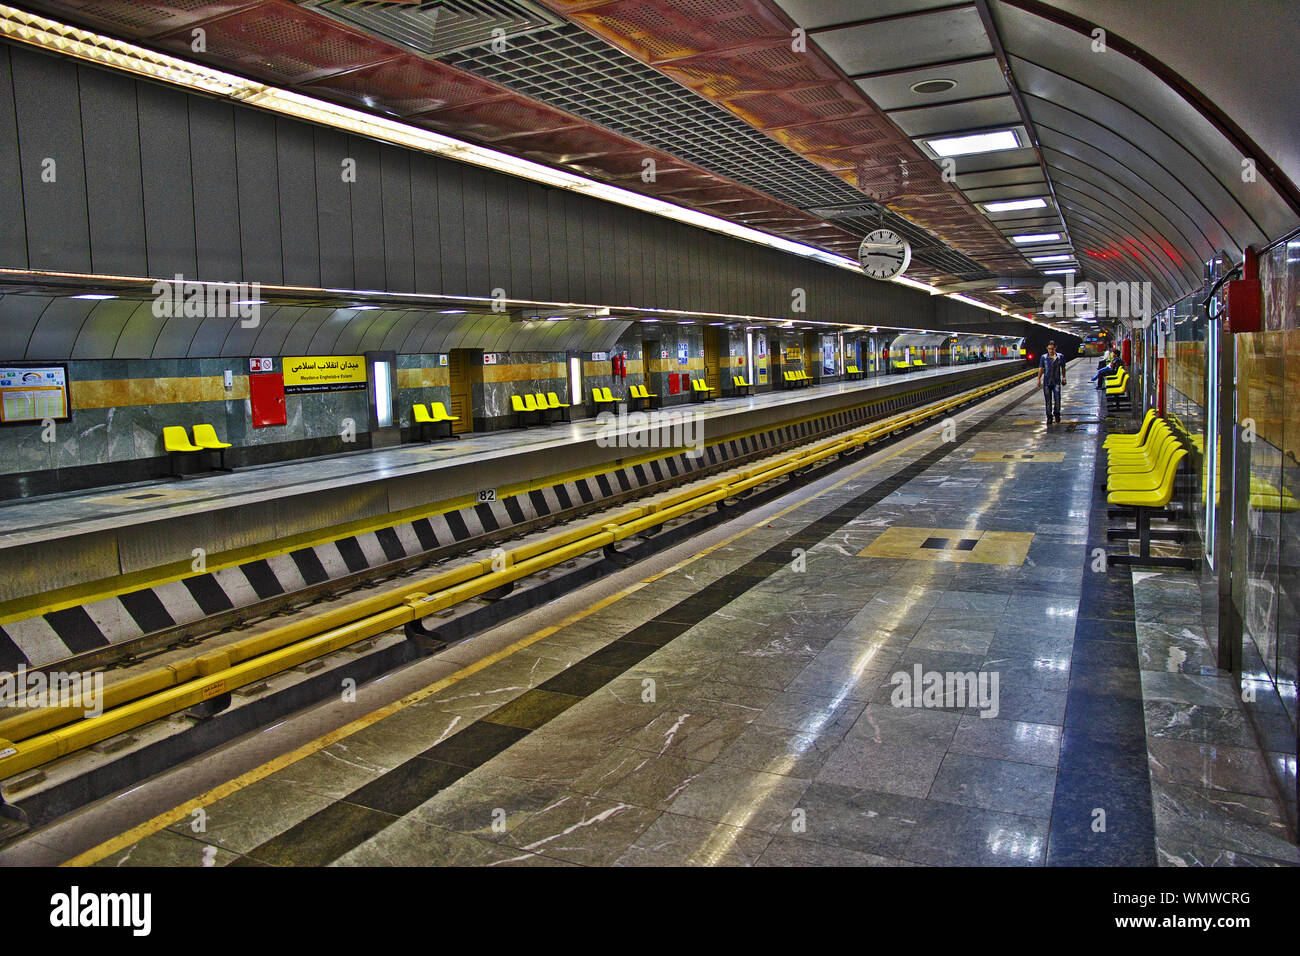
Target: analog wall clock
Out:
[884,254]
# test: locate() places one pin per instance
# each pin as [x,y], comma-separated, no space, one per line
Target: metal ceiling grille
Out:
[441,26]
[570,69]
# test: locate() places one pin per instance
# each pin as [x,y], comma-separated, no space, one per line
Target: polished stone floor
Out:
[747,709]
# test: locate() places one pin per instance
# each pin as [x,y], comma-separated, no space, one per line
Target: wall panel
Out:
[452,219]
[333,210]
[257,173]
[48,107]
[519,212]
[114,195]
[366,197]
[426,230]
[497,233]
[164,119]
[216,192]
[473,193]
[299,229]
[539,245]
[13,237]
[399,244]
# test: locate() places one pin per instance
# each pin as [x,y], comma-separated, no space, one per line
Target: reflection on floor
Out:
[749,707]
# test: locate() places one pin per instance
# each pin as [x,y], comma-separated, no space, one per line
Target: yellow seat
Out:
[432,414]
[523,405]
[175,439]
[1154,497]
[205,436]
[1121,440]
[1156,434]
[551,402]
[602,396]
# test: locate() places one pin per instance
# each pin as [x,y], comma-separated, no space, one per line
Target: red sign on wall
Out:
[266,395]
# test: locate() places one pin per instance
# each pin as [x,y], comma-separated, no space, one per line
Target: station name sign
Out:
[324,373]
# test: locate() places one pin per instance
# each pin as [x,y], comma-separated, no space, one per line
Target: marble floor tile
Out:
[1190,689]
[687,735]
[779,750]
[485,804]
[411,842]
[739,797]
[251,816]
[1002,739]
[852,818]
[950,835]
[811,714]
[685,841]
[790,851]
[1217,819]
[887,768]
[639,778]
[993,784]
[167,849]
[582,829]
[1189,763]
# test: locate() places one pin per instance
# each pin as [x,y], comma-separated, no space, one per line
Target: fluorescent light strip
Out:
[974,143]
[1029,237]
[1010,205]
[1060,258]
[96,48]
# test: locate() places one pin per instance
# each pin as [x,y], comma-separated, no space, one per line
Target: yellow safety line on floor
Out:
[164,820]
[74,595]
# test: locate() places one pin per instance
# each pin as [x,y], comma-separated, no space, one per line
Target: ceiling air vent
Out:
[439,27]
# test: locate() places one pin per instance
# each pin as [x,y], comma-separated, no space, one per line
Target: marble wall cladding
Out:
[421,379]
[666,339]
[424,395]
[120,407]
[516,373]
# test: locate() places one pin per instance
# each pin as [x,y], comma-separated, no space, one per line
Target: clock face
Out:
[884,254]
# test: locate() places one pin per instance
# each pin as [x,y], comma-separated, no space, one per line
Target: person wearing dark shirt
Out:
[1051,376]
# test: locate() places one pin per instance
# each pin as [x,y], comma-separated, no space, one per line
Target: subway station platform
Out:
[73,541]
[736,701]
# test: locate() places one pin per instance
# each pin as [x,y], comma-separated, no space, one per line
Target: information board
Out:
[324,373]
[33,393]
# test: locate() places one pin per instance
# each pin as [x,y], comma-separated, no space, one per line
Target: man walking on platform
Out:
[1051,376]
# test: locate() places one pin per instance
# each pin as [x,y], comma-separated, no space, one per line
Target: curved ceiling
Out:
[52,327]
[1139,169]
